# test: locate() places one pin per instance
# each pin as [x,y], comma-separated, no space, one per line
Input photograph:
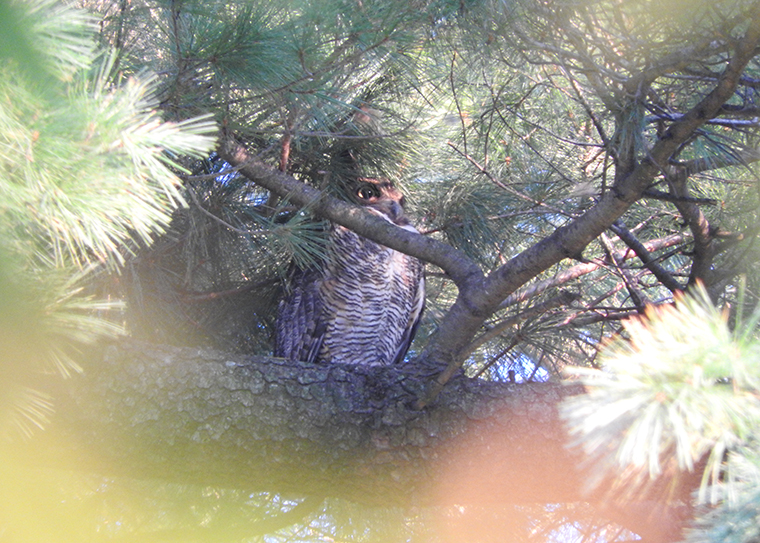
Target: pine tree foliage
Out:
[87,171]
[582,91]
[499,129]
[523,128]
[677,392]
[319,90]
[503,122]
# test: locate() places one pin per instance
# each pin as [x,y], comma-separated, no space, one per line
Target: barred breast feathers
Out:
[364,305]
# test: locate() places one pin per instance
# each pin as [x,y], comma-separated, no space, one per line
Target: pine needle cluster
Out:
[87,172]
[677,393]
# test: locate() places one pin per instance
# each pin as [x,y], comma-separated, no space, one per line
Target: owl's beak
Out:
[395,211]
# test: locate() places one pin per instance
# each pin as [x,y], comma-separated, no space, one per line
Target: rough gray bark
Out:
[347,431]
[208,417]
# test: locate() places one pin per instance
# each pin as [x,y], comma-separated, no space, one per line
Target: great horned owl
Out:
[365,303]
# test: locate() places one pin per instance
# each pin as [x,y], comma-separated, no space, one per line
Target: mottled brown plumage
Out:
[365,303]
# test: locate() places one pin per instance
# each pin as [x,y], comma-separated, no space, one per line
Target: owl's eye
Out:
[367,192]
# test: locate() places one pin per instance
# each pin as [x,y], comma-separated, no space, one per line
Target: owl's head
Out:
[381,195]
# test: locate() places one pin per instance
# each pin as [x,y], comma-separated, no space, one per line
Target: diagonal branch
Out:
[640,299]
[742,157]
[703,253]
[574,272]
[452,261]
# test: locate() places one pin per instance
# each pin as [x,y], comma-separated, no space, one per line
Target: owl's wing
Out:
[418,306]
[300,329]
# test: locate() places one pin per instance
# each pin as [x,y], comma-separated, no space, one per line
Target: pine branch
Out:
[730,123]
[595,315]
[668,197]
[703,253]
[742,157]
[644,255]
[638,297]
[212,418]
[579,270]
[459,267]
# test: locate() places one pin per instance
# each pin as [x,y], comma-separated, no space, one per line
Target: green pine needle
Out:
[680,387]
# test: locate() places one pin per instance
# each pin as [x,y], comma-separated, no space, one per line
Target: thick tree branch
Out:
[212,418]
[209,417]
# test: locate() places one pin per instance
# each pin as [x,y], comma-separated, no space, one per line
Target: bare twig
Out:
[456,101]
[496,358]
[638,297]
[195,297]
[564,298]
[249,233]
